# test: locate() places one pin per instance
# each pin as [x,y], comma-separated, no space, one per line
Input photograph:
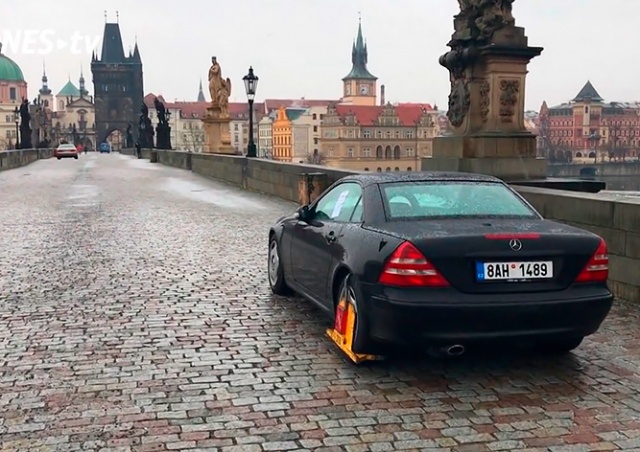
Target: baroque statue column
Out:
[487,67]
[217,135]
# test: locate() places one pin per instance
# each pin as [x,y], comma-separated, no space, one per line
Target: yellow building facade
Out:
[281,136]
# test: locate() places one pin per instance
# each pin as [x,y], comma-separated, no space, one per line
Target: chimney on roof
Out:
[382,95]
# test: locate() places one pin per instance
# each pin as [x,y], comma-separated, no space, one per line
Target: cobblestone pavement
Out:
[135,316]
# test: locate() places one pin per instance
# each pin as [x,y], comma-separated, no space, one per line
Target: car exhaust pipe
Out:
[455,350]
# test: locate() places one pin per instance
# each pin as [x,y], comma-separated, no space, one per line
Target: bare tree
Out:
[193,138]
[317,158]
[555,153]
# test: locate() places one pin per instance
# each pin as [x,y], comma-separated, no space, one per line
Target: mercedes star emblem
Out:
[515,244]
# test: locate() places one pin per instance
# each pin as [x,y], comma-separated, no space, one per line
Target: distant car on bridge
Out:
[441,259]
[66,150]
[105,147]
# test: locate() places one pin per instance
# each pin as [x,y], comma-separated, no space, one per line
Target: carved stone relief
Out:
[485,99]
[509,95]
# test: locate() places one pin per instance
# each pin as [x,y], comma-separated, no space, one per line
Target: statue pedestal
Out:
[217,135]
[486,112]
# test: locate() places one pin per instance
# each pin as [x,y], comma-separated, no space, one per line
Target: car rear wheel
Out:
[561,346]
[276,273]
[75,157]
[349,292]
[59,158]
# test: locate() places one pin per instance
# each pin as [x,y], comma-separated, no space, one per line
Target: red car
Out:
[66,151]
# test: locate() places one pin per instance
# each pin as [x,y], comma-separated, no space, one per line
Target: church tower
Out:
[45,94]
[360,86]
[118,86]
[201,97]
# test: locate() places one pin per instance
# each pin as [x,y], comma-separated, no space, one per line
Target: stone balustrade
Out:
[16,158]
[616,219]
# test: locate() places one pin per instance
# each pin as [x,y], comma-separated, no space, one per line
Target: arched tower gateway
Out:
[360,86]
[118,86]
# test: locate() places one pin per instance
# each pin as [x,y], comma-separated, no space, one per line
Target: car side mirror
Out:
[303,213]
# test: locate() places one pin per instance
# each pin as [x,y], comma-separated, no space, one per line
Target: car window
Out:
[438,199]
[339,203]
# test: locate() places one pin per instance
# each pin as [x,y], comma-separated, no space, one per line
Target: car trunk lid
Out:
[500,256]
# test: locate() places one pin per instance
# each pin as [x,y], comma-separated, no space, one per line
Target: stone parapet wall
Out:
[617,220]
[22,157]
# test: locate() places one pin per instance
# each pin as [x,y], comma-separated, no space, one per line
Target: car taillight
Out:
[407,267]
[597,269]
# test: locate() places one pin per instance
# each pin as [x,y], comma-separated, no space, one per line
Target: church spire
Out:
[201,97]
[359,58]
[44,91]
[83,90]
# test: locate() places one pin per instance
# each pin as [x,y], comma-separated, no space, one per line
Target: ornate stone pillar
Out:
[488,66]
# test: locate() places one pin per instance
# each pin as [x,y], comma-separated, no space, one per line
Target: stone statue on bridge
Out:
[163,130]
[145,128]
[25,125]
[219,88]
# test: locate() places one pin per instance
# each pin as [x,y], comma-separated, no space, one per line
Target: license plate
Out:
[495,271]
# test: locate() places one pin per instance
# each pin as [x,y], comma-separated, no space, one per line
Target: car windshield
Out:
[452,199]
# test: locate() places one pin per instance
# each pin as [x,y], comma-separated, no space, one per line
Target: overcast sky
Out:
[302,48]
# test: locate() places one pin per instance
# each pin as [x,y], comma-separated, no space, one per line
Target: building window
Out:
[408,134]
[331,152]
[366,134]
[379,152]
[13,95]
[410,152]
[366,169]
[396,169]
[315,116]
[315,128]
[350,152]
[366,152]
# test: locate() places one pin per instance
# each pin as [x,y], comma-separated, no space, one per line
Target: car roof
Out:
[417,176]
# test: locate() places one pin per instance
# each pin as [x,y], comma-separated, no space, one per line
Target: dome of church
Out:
[9,70]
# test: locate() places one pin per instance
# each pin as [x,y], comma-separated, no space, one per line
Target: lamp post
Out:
[251,85]
[16,118]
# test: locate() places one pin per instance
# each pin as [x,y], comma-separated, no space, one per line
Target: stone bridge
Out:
[135,315]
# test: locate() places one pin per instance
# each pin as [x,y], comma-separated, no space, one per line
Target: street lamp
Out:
[251,85]
[16,116]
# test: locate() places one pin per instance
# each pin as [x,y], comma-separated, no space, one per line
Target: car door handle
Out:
[331,237]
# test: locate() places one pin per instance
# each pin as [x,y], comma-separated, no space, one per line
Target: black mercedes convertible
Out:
[442,259]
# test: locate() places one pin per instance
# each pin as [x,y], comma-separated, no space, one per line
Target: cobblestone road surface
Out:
[135,316]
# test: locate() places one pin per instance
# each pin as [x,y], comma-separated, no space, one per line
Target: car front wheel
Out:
[276,273]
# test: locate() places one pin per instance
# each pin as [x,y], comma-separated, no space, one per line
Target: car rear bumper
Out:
[463,318]
[66,155]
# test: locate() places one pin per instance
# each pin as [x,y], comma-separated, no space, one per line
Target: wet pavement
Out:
[135,315]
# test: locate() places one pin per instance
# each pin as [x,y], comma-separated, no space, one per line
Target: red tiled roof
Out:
[198,109]
[366,115]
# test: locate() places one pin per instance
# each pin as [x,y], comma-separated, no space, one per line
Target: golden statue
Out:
[219,88]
